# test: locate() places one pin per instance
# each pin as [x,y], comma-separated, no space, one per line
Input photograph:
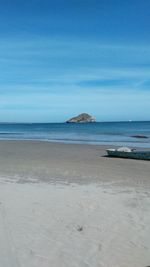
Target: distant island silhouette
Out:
[82,118]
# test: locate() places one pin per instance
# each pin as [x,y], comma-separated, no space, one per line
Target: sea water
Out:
[112,133]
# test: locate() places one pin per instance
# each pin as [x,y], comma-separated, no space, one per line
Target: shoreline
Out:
[23,161]
[134,144]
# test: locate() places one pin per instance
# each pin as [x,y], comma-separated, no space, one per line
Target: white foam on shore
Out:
[74,226]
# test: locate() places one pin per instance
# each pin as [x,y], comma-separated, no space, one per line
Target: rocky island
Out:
[81,118]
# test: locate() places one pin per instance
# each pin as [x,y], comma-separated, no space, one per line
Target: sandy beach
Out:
[69,205]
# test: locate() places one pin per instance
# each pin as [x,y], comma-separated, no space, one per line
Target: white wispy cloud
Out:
[58,75]
[71,61]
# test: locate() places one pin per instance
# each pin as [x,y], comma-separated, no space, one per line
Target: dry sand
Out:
[67,205]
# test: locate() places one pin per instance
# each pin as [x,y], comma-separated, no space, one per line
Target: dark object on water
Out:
[130,154]
[82,118]
[80,229]
[139,136]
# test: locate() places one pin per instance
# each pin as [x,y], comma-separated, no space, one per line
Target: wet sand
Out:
[24,161]
[68,205]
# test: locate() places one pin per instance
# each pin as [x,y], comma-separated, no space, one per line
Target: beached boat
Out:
[130,154]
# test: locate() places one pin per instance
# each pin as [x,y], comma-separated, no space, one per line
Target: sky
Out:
[64,57]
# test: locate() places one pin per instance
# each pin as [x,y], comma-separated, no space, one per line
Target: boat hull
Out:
[142,155]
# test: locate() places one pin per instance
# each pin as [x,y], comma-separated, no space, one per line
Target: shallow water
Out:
[113,133]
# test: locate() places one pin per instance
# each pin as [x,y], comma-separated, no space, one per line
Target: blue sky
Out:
[61,58]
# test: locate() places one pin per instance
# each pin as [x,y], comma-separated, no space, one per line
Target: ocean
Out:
[104,133]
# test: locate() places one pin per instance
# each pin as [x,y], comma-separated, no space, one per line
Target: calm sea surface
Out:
[113,133]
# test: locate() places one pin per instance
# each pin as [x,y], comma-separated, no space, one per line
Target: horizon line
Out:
[64,122]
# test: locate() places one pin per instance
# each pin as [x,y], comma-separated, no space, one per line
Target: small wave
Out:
[10,133]
[95,141]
